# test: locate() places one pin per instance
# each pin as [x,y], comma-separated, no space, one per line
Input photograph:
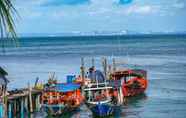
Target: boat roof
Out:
[66,87]
[129,72]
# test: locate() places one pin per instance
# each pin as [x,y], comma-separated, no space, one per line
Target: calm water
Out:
[164,57]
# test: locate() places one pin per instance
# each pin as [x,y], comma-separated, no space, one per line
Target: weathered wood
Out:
[10,110]
[30,98]
[22,108]
[37,102]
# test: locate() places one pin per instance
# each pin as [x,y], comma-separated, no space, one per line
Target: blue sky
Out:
[56,16]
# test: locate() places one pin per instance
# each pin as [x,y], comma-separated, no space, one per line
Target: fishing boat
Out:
[134,81]
[97,94]
[61,98]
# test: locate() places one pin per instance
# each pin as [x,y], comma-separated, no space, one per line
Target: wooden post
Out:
[15,108]
[9,110]
[30,97]
[22,108]
[37,102]
[26,103]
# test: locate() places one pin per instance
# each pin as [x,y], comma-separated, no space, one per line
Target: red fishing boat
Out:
[133,81]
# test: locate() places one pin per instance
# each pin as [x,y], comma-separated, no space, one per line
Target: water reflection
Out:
[131,108]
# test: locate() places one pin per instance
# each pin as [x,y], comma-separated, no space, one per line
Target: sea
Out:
[163,56]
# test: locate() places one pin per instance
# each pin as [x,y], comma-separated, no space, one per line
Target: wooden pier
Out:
[21,103]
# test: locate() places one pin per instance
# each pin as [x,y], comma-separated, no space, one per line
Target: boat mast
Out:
[93,65]
[105,74]
[82,75]
[114,64]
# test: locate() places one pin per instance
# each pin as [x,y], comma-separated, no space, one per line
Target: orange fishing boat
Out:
[134,81]
[61,98]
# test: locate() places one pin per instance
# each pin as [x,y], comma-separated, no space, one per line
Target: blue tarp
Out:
[67,87]
[70,78]
[96,75]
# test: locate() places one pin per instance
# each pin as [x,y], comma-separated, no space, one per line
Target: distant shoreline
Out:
[113,35]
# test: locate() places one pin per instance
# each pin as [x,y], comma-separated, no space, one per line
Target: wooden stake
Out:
[22,108]
[30,97]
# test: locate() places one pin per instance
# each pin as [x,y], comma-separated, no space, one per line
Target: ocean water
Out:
[164,58]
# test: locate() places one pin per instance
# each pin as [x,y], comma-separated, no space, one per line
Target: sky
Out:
[57,16]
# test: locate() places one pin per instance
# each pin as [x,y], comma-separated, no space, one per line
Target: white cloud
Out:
[139,9]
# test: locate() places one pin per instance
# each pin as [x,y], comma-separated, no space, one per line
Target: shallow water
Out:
[163,57]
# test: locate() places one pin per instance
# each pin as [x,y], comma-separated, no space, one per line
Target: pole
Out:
[22,108]
[93,63]
[82,75]
[114,64]
[30,97]
[104,64]
[10,110]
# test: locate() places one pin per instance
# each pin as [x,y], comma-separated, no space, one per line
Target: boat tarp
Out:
[96,76]
[66,87]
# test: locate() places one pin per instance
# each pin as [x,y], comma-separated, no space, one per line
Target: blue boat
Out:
[102,110]
[98,99]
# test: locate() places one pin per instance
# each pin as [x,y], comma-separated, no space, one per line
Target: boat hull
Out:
[130,89]
[101,110]
[57,110]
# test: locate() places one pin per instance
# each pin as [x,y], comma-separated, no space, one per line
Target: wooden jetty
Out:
[19,102]
[22,103]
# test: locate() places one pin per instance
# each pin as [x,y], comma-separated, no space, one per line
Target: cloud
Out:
[105,14]
[139,9]
[65,2]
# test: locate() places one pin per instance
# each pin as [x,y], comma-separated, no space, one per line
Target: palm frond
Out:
[7,25]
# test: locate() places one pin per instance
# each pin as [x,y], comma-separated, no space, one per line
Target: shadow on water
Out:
[130,106]
[135,100]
